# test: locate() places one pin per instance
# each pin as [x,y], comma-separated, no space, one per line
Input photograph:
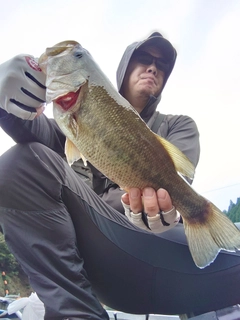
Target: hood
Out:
[169,53]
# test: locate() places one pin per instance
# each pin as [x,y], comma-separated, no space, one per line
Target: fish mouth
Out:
[67,101]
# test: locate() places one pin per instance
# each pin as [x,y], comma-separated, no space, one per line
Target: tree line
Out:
[233,212]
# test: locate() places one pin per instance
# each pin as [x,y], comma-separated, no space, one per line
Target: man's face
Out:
[145,74]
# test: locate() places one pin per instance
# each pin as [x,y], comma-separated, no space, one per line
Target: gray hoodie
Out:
[170,55]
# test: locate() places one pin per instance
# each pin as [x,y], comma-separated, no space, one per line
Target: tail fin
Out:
[206,239]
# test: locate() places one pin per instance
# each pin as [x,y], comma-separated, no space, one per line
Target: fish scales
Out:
[123,158]
[123,163]
[109,133]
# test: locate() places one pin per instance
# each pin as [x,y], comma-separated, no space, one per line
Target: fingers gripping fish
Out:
[103,128]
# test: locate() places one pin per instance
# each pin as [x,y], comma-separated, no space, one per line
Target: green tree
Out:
[7,261]
[234,211]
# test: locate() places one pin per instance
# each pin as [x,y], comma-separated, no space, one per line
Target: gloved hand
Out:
[158,220]
[161,222]
[22,87]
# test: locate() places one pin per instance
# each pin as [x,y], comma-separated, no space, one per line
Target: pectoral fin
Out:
[72,153]
[181,162]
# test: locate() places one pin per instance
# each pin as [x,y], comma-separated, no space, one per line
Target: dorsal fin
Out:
[181,162]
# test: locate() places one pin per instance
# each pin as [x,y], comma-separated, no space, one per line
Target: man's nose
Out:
[152,68]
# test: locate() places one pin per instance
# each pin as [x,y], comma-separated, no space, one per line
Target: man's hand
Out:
[22,87]
[161,214]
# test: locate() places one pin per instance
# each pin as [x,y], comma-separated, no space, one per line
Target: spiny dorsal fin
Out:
[72,153]
[181,162]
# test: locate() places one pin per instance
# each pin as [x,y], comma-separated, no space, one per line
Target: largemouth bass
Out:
[104,129]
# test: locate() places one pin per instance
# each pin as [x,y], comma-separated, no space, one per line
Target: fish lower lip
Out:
[69,100]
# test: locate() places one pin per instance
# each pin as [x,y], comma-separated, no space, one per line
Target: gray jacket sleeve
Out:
[41,129]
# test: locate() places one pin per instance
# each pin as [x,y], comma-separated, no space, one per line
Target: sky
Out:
[205,83]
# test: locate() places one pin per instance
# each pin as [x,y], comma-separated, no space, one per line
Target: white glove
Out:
[164,221]
[22,86]
[160,223]
[135,218]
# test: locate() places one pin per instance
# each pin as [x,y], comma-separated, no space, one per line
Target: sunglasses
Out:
[147,59]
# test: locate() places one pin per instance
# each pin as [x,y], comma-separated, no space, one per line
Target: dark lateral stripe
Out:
[31,95]
[35,80]
[22,106]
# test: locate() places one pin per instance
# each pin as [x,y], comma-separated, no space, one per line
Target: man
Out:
[141,82]
[70,242]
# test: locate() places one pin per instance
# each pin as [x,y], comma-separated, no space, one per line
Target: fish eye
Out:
[78,55]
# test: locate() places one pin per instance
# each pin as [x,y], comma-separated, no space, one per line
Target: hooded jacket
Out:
[170,57]
[179,130]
